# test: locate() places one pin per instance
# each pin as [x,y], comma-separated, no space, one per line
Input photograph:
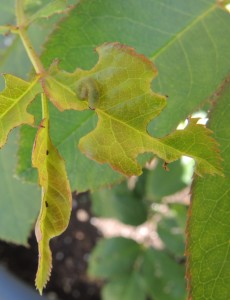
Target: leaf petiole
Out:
[21,27]
[45,109]
[33,56]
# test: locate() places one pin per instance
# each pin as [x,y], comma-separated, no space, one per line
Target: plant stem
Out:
[20,12]
[34,58]
[21,21]
[8,28]
[45,108]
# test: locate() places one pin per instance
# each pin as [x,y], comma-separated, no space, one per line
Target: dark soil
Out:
[69,280]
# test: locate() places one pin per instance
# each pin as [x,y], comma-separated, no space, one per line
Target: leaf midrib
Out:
[157,141]
[183,31]
[15,103]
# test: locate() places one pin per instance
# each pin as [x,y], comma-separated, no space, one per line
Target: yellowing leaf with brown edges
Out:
[56,200]
[118,89]
[14,100]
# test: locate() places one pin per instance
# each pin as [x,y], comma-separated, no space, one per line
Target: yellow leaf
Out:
[14,100]
[56,199]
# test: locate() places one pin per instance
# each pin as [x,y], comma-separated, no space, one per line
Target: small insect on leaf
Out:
[88,89]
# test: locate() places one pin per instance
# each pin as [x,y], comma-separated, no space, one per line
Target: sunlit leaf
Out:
[14,101]
[176,47]
[61,89]
[118,89]
[56,199]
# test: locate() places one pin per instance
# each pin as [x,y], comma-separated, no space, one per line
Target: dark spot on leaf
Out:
[47,152]
[165,166]
[47,205]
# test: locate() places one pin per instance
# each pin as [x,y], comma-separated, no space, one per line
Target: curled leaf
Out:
[56,200]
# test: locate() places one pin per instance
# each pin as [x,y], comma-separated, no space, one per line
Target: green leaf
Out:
[172,235]
[136,25]
[118,88]
[125,288]
[19,202]
[13,104]
[7,15]
[209,222]
[61,88]
[116,203]
[161,182]
[163,278]
[199,72]
[56,200]
[78,124]
[43,8]
[130,268]
[179,49]
[113,258]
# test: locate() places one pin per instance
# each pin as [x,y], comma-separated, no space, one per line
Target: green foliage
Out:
[171,231]
[13,104]
[149,189]
[208,259]
[134,28]
[135,270]
[19,202]
[162,182]
[43,9]
[106,106]
[116,203]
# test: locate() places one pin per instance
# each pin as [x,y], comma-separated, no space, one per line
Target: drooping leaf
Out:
[56,200]
[118,88]
[43,8]
[19,202]
[209,222]
[94,175]
[14,101]
[137,23]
